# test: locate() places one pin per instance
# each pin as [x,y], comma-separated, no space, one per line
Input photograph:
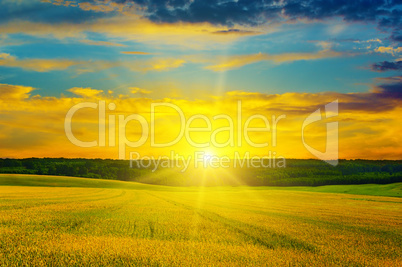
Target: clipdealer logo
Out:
[331,153]
[237,130]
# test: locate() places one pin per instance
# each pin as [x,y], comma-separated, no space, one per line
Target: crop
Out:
[146,225]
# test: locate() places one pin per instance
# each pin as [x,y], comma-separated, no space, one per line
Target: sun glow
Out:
[208,155]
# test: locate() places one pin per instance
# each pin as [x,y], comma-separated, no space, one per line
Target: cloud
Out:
[256,12]
[388,50]
[157,64]
[101,43]
[386,14]
[392,89]
[43,12]
[6,56]
[59,30]
[397,37]
[237,61]
[237,32]
[85,92]
[376,40]
[387,65]
[230,19]
[135,53]
[38,65]
[101,6]
[14,92]
[130,28]
[140,65]
[81,67]
[136,90]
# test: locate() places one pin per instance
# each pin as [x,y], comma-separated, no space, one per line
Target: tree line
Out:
[297,172]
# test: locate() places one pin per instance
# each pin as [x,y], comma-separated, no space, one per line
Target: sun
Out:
[208,156]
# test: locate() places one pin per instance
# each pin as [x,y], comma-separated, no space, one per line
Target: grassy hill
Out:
[66,221]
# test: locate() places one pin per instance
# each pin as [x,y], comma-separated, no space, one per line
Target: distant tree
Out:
[123,174]
[12,163]
[52,170]
[82,170]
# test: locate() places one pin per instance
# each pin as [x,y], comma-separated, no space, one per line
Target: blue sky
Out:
[357,41]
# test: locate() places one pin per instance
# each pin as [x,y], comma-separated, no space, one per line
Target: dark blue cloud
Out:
[393,90]
[378,101]
[387,65]
[236,31]
[386,13]
[397,37]
[247,12]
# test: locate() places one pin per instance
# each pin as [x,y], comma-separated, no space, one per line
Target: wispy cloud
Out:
[85,92]
[389,50]
[80,67]
[376,40]
[387,65]
[132,28]
[14,92]
[237,32]
[136,90]
[237,61]
[135,53]
[101,43]
[38,65]
[96,6]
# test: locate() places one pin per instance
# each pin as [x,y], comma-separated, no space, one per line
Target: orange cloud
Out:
[14,92]
[159,64]
[389,50]
[85,92]
[143,65]
[97,5]
[135,28]
[46,65]
[39,65]
[237,61]
[101,6]
[135,53]
[102,43]
[136,90]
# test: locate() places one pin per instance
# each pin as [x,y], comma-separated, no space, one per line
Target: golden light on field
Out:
[145,224]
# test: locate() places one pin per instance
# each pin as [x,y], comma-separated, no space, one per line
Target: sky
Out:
[286,57]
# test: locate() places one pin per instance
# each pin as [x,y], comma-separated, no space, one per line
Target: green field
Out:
[64,221]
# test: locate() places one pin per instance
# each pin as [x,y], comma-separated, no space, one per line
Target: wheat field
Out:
[226,226]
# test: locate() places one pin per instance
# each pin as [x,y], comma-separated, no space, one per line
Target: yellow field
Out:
[226,226]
